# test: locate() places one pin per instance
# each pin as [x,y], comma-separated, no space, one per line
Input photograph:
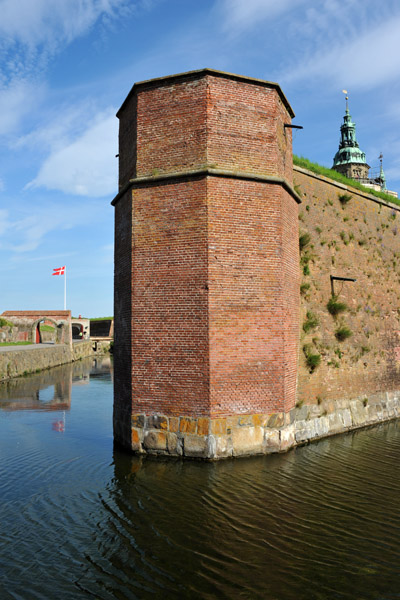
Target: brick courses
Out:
[206,260]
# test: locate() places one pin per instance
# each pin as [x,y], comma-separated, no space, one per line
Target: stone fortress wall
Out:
[358,239]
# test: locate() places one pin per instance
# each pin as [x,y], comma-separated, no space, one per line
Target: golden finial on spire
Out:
[347,100]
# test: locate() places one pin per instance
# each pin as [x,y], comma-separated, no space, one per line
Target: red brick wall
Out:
[171,127]
[174,125]
[127,143]
[245,128]
[360,240]
[169,299]
[210,316]
[123,318]
[253,303]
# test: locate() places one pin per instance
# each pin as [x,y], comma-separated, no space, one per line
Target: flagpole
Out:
[65,288]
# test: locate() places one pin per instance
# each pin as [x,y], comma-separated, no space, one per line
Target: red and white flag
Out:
[59,271]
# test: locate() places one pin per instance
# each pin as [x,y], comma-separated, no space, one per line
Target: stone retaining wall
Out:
[243,435]
[30,360]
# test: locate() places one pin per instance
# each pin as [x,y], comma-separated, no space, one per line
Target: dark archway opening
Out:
[77,331]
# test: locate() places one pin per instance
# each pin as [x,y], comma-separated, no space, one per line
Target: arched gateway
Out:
[27,324]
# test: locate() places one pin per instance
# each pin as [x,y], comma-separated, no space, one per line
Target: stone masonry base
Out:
[255,434]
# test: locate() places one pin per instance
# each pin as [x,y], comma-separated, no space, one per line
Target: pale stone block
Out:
[346,417]
[271,440]
[157,422]
[203,425]
[187,425]
[155,440]
[358,413]
[276,420]
[174,424]
[314,411]
[372,413]
[245,420]
[218,426]
[136,440]
[260,420]
[211,446]
[247,440]
[321,426]
[287,437]
[305,430]
[172,443]
[223,447]
[195,445]
[335,422]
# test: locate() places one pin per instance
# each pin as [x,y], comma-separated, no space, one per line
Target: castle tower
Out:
[349,159]
[206,266]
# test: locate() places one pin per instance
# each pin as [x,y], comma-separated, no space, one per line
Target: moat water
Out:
[79,519]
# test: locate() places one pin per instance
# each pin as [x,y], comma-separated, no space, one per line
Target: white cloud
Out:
[60,127]
[362,60]
[4,221]
[240,15]
[86,166]
[16,101]
[17,258]
[32,32]
[51,22]
[23,231]
[23,234]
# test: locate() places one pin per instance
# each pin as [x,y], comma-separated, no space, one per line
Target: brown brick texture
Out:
[206,265]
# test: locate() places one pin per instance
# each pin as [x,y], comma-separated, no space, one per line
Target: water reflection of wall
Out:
[50,389]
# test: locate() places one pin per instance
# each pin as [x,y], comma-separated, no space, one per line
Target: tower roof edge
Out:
[196,74]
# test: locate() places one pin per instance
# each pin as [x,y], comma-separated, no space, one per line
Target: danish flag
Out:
[59,271]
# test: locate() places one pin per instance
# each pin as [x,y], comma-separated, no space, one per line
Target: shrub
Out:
[5,323]
[311,322]
[344,198]
[334,307]
[304,288]
[342,333]
[297,189]
[312,360]
[304,240]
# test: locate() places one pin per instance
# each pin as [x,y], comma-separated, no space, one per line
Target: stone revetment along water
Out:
[79,519]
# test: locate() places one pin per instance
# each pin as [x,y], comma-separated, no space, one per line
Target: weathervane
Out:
[347,100]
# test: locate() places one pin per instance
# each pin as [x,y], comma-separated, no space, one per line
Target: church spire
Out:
[349,159]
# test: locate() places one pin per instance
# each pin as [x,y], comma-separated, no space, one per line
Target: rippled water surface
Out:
[81,520]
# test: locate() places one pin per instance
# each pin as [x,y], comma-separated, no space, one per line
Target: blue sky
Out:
[67,65]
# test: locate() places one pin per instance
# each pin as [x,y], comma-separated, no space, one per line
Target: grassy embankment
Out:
[15,343]
[300,161]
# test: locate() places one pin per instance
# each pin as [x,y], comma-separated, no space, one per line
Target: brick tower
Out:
[206,267]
